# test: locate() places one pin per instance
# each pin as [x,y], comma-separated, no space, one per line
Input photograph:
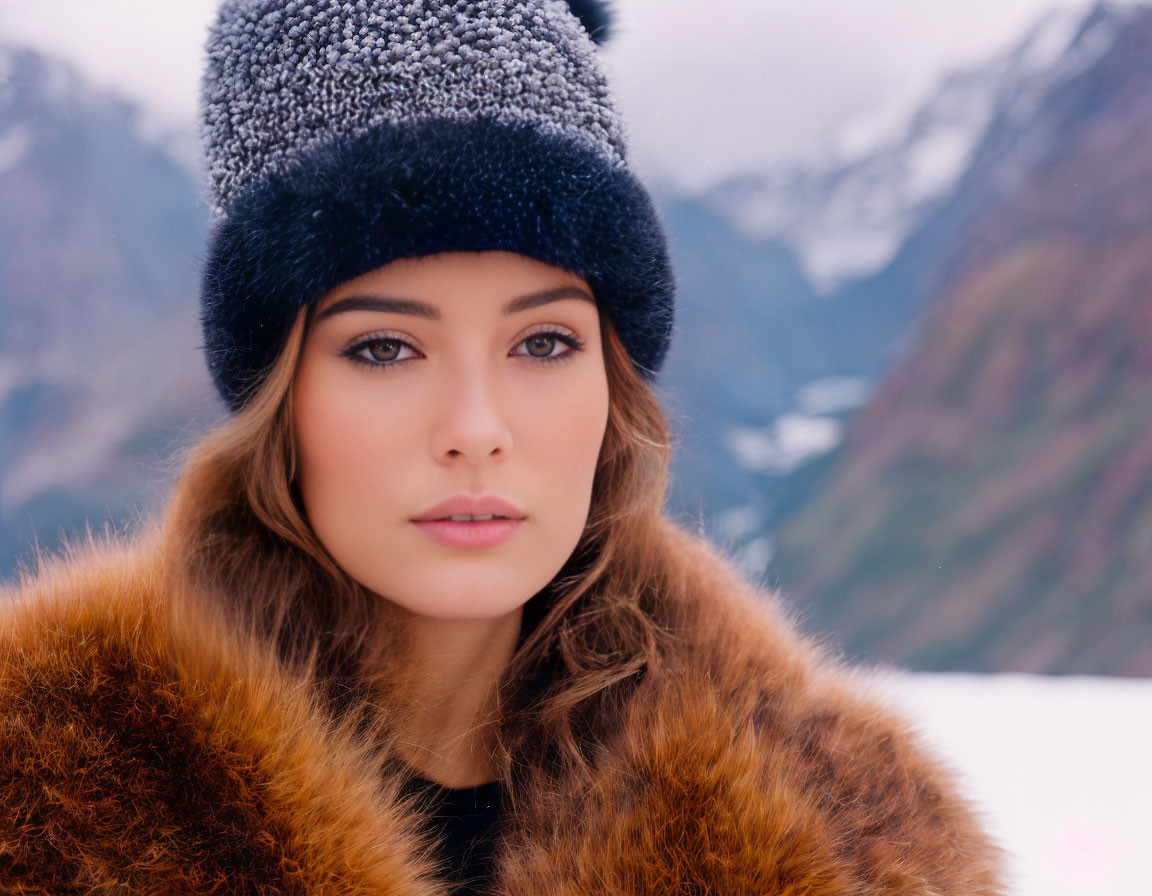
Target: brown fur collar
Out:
[152,753]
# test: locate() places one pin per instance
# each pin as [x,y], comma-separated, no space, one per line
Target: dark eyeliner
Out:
[352,351]
[569,339]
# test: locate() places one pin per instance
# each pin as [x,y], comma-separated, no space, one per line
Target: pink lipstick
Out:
[470,521]
[469,535]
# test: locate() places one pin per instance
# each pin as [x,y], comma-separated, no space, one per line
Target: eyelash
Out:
[352,352]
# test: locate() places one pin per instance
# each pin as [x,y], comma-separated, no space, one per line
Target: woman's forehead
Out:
[431,286]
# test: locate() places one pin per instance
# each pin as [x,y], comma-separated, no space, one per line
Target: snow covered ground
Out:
[1062,767]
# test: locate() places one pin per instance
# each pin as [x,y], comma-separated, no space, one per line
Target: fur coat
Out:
[146,751]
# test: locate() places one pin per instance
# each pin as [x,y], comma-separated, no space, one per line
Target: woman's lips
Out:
[473,534]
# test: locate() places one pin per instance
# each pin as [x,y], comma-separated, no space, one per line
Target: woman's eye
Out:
[377,352]
[543,346]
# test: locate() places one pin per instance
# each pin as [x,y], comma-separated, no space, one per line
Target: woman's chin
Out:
[465,601]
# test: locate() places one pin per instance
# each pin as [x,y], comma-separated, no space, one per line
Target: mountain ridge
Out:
[847,220]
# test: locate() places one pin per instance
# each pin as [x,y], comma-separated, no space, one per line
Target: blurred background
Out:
[912,375]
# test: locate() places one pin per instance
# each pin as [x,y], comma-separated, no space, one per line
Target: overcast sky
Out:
[747,83]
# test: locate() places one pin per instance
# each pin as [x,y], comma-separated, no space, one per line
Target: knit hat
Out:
[345,134]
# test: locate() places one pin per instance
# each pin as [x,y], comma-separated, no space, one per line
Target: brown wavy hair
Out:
[236,529]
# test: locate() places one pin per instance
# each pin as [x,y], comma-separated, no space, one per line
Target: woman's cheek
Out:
[568,427]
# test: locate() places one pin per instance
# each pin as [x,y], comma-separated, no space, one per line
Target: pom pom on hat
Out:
[596,16]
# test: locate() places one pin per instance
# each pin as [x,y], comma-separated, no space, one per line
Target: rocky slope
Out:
[991,507]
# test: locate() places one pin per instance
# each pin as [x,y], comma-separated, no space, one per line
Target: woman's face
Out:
[476,379]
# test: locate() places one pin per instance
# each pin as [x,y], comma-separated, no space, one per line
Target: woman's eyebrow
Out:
[380,303]
[423,309]
[536,299]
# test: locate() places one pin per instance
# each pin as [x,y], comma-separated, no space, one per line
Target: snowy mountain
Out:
[99,231]
[848,219]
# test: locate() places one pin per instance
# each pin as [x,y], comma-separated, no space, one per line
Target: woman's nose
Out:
[471,423]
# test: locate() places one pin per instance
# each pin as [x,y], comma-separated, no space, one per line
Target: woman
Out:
[414,621]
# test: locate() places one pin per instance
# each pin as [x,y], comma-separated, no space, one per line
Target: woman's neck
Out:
[458,664]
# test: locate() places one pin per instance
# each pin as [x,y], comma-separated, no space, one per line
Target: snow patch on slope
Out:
[833,395]
[14,145]
[807,431]
[781,447]
[941,157]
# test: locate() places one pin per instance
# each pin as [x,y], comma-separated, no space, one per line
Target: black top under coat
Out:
[466,820]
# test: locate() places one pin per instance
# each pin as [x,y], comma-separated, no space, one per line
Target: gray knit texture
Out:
[285,75]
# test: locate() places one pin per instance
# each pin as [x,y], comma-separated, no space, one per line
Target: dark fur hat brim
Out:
[414,189]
